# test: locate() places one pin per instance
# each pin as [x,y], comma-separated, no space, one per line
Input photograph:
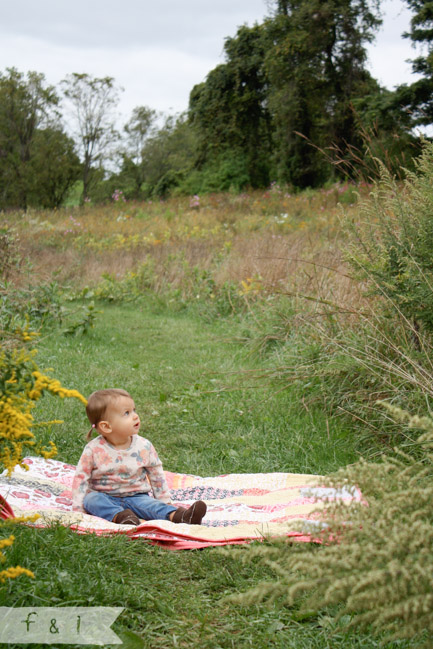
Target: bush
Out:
[133,285]
[393,243]
[10,258]
[375,564]
[21,385]
[345,362]
[229,171]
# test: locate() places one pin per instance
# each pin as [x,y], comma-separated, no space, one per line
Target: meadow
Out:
[249,343]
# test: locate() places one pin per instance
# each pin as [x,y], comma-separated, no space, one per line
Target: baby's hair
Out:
[98,403]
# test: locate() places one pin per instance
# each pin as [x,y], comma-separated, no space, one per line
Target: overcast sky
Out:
[156,50]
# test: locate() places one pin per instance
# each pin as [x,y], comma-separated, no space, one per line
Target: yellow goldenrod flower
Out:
[5,543]
[23,384]
[12,573]
[20,519]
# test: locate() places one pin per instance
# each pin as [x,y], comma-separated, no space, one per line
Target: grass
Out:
[183,373]
[230,238]
[232,370]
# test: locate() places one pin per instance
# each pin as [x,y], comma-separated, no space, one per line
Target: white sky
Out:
[156,50]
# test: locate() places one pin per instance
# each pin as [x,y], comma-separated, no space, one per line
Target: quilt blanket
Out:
[241,507]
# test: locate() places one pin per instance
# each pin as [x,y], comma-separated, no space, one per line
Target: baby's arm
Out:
[157,478]
[80,485]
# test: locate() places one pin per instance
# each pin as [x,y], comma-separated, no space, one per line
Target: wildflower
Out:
[195,202]
[282,218]
[49,423]
[275,188]
[118,196]
[4,543]
[22,385]
[13,573]
[51,385]
[252,285]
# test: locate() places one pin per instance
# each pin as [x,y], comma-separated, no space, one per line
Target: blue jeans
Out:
[144,506]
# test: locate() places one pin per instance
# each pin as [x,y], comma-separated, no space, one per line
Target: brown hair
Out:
[98,403]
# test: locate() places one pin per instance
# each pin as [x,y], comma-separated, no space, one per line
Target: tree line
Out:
[292,103]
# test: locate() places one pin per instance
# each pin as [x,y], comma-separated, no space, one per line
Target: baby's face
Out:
[123,420]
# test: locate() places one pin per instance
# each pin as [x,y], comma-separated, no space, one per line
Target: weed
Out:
[375,562]
[392,242]
[10,258]
[86,322]
[21,386]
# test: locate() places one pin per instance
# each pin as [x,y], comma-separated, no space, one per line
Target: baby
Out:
[118,469]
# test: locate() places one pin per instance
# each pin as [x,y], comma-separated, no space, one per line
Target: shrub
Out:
[375,564]
[133,285]
[9,254]
[393,243]
[21,385]
[345,361]
[228,171]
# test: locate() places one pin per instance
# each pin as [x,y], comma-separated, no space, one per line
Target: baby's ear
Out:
[104,427]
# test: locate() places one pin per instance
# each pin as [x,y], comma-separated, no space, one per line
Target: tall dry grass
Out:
[286,243]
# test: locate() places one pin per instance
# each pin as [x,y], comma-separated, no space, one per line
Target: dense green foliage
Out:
[393,242]
[295,97]
[230,114]
[38,163]
[315,72]
[293,103]
[287,84]
[417,98]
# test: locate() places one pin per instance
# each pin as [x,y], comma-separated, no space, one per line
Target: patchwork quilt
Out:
[241,507]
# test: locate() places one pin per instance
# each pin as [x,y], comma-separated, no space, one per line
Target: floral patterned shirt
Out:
[118,472]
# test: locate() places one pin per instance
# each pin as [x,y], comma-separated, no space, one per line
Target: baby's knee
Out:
[93,499]
[90,497]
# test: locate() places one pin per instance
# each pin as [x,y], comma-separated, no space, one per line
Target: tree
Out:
[286,85]
[54,167]
[387,138]
[162,161]
[139,129]
[168,156]
[229,109]
[92,101]
[315,69]
[26,105]
[417,98]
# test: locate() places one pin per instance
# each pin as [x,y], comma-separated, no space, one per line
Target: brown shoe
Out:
[127,517]
[193,515]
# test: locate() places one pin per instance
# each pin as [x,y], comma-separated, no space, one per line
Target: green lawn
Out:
[184,374]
